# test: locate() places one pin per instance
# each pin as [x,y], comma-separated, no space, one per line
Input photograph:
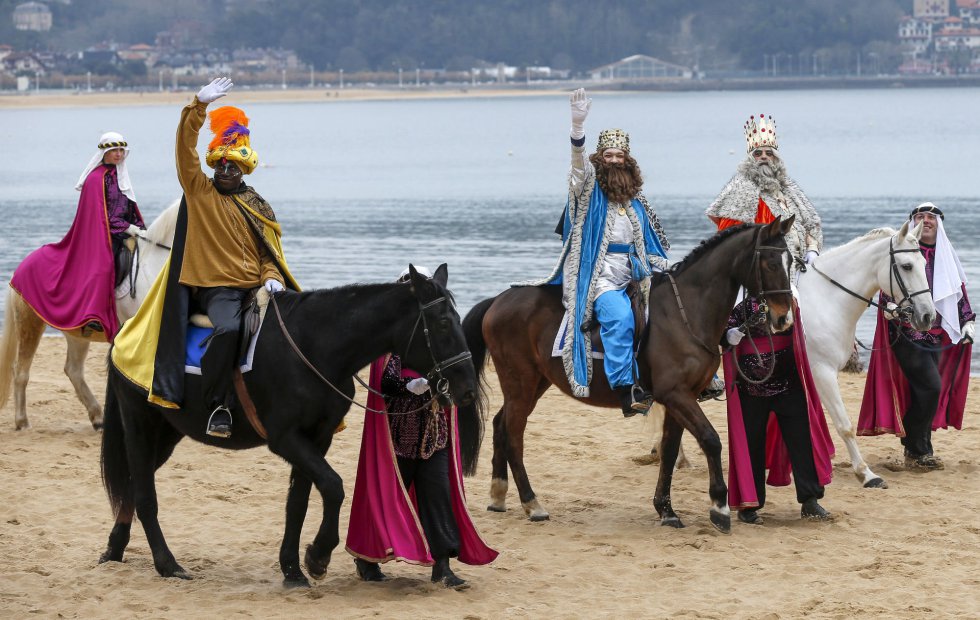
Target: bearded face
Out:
[621,181]
[766,170]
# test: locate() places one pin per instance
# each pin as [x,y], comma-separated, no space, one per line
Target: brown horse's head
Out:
[769,278]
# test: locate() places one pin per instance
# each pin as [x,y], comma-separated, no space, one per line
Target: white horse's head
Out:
[902,274]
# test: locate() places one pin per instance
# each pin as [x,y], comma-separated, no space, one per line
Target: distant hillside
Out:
[565,34]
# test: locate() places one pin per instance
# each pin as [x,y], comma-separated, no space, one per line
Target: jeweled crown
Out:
[760,132]
[613,139]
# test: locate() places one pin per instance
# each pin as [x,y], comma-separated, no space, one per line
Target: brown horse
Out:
[689,308]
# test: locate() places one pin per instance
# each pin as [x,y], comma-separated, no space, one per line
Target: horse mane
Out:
[162,229]
[702,249]
[357,288]
[871,235]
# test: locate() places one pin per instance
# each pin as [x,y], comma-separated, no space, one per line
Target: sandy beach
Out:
[72,99]
[911,551]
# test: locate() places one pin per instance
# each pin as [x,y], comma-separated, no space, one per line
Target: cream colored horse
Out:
[22,328]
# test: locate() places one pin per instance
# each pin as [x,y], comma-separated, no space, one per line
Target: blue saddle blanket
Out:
[196,347]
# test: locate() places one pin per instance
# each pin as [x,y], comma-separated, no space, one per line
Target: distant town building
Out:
[32,16]
[639,67]
[22,62]
[930,9]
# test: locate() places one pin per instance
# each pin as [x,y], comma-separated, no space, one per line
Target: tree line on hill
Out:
[384,35]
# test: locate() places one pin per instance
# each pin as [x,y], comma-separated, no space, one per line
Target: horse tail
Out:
[8,348]
[472,416]
[115,465]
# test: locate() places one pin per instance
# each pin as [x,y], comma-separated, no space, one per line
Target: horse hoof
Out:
[722,522]
[176,572]
[539,516]
[109,556]
[496,508]
[876,483]
[97,426]
[299,581]
[316,567]
[673,522]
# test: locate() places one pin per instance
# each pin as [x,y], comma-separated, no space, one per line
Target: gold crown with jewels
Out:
[613,139]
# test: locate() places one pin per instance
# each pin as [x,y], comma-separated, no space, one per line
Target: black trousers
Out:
[921,369]
[794,424]
[431,479]
[223,305]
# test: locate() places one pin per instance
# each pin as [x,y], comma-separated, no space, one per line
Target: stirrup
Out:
[222,431]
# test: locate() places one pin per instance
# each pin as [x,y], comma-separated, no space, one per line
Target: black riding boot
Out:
[369,571]
[634,399]
[219,424]
[441,573]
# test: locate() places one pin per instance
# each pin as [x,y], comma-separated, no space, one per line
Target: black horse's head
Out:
[437,347]
[768,278]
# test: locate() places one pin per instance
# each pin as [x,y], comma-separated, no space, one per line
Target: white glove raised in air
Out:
[967,332]
[580,111]
[810,256]
[274,286]
[418,386]
[890,311]
[217,89]
[734,336]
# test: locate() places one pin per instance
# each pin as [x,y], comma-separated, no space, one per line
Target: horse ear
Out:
[441,276]
[915,233]
[787,225]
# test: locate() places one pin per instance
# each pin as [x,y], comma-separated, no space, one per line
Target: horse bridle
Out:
[905,307]
[442,384]
[755,269]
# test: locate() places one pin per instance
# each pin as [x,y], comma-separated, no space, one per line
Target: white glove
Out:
[274,286]
[136,231]
[580,111]
[418,386]
[890,311]
[967,332]
[734,336]
[217,89]
[810,256]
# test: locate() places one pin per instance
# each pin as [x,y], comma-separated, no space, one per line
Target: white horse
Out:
[23,328]
[882,259]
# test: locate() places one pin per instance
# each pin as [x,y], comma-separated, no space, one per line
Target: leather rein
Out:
[441,383]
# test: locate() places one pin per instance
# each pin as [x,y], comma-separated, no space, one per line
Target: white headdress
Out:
[948,279]
[110,140]
[422,271]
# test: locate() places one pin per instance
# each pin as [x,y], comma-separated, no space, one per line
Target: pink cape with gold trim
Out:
[741,485]
[70,283]
[384,523]
[886,392]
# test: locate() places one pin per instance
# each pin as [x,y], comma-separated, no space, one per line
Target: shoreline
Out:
[65,99]
[59,98]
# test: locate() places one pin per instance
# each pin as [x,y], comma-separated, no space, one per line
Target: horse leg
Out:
[31,327]
[656,417]
[75,369]
[685,410]
[516,414]
[145,451]
[825,378]
[307,460]
[669,446]
[498,482]
[297,501]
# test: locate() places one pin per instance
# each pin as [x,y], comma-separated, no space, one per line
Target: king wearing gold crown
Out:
[612,238]
[227,242]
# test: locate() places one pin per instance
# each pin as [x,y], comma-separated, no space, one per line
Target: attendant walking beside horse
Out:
[768,376]
[411,507]
[918,380]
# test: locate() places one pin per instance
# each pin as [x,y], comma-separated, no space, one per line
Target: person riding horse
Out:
[918,380]
[769,374]
[227,243]
[612,237]
[71,284]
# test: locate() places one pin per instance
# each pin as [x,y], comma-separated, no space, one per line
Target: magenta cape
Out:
[886,392]
[741,485]
[384,523]
[70,283]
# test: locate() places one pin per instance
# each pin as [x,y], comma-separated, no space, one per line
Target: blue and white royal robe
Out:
[586,236]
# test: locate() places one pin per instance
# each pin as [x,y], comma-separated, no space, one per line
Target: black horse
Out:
[339,331]
[678,355]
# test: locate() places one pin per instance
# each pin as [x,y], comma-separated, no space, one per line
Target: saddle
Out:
[124,257]
[253,311]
